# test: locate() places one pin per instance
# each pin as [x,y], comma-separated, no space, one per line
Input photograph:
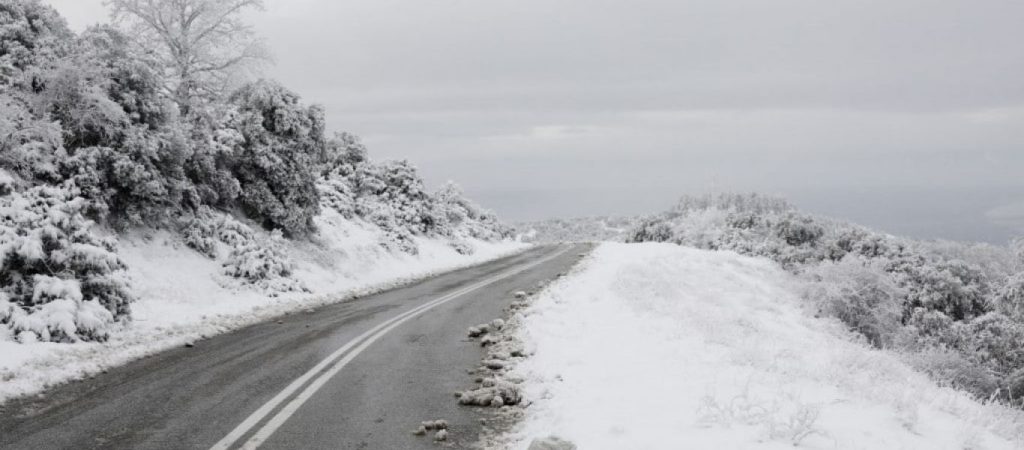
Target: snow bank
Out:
[656,346]
[185,296]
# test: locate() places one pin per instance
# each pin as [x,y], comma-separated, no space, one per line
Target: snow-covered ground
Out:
[657,346]
[183,296]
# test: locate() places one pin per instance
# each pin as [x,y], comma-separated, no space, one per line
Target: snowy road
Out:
[359,374]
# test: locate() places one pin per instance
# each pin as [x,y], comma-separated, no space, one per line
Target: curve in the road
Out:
[191,398]
[360,343]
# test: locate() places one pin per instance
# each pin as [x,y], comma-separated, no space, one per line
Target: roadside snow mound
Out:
[657,346]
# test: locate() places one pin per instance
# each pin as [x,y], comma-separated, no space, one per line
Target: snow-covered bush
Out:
[209,166]
[1010,298]
[392,196]
[651,230]
[396,185]
[798,230]
[344,152]
[861,294]
[466,218]
[275,163]
[59,280]
[263,263]
[30,147]
[139,182]
[954,288]
[246,255]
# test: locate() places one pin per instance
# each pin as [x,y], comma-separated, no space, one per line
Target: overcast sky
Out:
[907,115]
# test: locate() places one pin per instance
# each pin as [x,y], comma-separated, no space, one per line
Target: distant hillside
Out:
[583,229]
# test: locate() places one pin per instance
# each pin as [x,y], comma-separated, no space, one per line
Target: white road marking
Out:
[360,343]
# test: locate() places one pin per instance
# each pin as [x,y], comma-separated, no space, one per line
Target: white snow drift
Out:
[656,346]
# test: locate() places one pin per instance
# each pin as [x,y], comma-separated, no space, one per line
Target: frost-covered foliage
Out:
[59,281]
[275,162]
[467,219]
[263,263]
[392,196]
[584,229]
[246,255]
[962,304]
[31,34]
[861,294]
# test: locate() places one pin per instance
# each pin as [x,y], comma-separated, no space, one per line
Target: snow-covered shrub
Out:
[75,97]
[246,255]
[276,161]
[392,196]
[397,187]
[954,288]
[344,152]
[950,367]
[798,230]
[263,263]
[464,218]
[861,294]
[60,281]
[30,147]
[1017,247]
[136,183]
[206,232]
[997,341]
[651,230]
[1010,298]
[209,166]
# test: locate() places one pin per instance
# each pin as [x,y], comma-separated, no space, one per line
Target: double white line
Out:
[346,353]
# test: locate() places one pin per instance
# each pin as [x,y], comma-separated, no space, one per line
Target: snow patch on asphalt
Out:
[183,298]
[655,346]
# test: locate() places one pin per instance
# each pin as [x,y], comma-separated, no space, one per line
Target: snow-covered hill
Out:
[657,346]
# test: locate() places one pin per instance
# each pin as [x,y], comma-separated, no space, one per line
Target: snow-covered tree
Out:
[202,44]
[31,36]
[130,78]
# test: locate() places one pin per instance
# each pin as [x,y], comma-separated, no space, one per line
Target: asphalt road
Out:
[355,375]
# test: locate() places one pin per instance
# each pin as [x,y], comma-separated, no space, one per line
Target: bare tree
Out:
[203,44]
